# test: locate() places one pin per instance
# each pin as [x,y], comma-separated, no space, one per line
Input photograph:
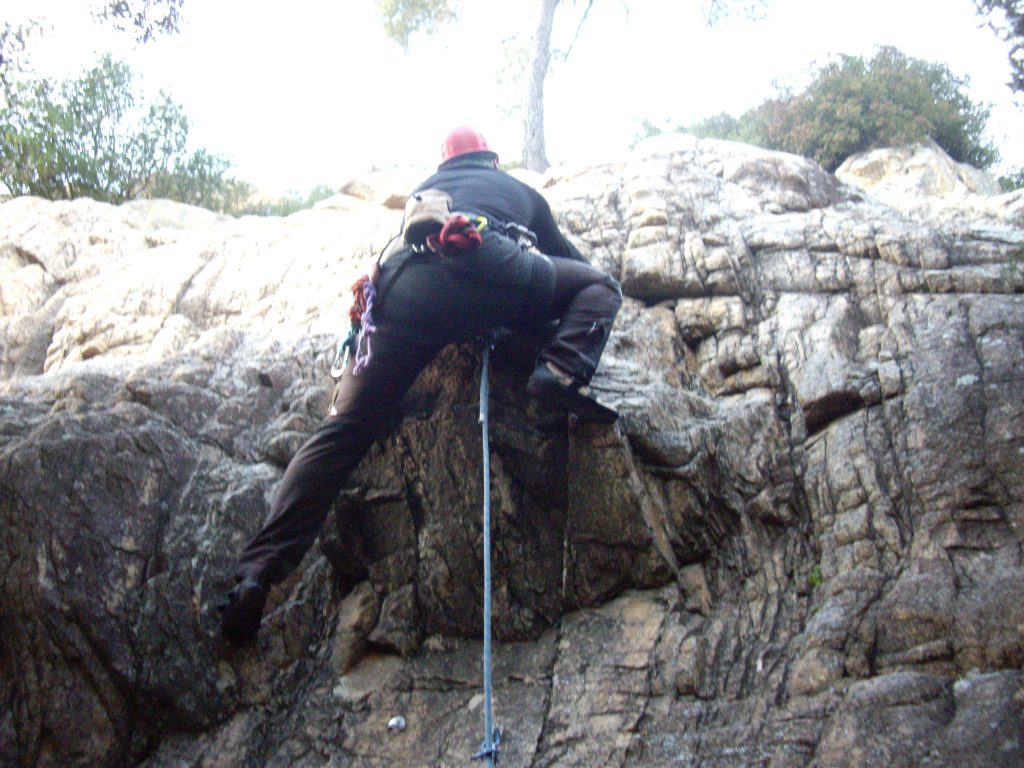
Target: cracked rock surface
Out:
[800,545]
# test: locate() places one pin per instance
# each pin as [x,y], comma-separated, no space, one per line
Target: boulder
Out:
[923,179]
[800,545]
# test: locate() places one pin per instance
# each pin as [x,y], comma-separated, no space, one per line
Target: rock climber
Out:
[469,274]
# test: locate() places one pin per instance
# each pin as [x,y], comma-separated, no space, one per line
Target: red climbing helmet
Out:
[464,140]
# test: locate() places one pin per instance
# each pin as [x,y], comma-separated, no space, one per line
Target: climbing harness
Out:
[428,227]
[492,735]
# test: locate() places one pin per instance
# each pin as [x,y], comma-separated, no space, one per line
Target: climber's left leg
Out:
[586,301]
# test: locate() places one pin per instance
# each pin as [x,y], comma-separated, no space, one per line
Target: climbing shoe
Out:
[546,386]
[241,611]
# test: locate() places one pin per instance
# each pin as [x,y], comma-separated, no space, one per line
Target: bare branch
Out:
[14,53]
[716,10]
[590,4]
[147,18]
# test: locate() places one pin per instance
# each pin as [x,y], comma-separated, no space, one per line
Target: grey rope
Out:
[492,736]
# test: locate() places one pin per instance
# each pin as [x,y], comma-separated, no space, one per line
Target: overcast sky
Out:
[309,91]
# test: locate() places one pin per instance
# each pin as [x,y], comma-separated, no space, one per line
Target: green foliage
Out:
[854,104]
[287,205]
[402,18]
[815,578]
[1006,17]
[645,130]
[94,137]
[72,139]
[200,179]
[1012,179]
[720,126]
[1014,269]
[719,10]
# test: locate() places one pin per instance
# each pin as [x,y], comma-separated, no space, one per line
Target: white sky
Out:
[310,91]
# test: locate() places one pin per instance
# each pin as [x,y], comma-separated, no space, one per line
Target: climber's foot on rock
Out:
[241,611]
[545,385]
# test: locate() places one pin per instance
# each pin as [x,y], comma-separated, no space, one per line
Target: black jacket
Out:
[501,198]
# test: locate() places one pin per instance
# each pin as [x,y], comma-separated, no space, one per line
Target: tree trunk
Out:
[534,154]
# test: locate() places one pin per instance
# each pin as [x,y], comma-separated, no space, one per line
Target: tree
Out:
[854,105]
[1006,17]
[147,19]
[1012,179]
[535,156]
[200,179]
[534,151]
[403,17]
[287,205]
[720,126]
[94,137]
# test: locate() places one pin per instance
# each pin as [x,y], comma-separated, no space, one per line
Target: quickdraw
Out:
[343,353]
[361,327]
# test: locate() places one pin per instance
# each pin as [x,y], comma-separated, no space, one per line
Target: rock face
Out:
[800,545]
[923,179]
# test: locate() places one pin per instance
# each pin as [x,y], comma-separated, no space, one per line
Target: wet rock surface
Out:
[800,545]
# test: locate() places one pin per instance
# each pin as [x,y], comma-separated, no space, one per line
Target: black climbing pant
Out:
[427,302]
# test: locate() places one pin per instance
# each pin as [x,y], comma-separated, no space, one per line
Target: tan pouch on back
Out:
[426,212]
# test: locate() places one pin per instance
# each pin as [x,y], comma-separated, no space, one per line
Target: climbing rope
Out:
[492,736]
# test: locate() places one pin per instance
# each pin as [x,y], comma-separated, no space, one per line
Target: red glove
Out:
[458,236]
